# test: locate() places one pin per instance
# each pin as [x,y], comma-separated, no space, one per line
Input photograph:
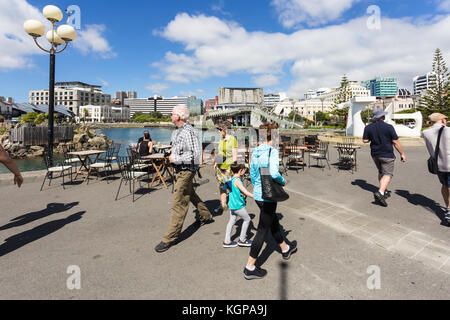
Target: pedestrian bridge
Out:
[251,116]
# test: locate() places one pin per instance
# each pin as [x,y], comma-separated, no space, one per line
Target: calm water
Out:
[125,137]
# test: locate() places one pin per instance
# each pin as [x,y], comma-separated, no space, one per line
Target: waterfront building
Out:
[72,95]
[241,96]
[381,87]
[308,108]
[95,113]
[211,103]
[164,106]
[119,114]
[355,89]
[399,103]
[423,83]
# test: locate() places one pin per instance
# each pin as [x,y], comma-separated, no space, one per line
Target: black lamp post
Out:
[58,35]
[155,98]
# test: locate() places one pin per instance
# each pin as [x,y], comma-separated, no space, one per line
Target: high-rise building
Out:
[132,94]
[164,106]
[381,87]
[72,95]
[423,83]
[272,100]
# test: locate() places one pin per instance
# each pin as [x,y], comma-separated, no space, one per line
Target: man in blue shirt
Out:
[383,138]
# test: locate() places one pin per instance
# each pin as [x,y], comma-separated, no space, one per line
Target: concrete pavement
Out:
[342,235]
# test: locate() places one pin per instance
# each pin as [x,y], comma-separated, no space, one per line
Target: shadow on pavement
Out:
[52,208]
[425,202]
[22,239]
[365,186]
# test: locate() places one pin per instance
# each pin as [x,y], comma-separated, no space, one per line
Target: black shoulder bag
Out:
[433,162]
[271,190]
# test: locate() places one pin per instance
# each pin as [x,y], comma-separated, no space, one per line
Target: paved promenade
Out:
[341,233]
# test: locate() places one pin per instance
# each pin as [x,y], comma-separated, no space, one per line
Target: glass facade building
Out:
[381,87]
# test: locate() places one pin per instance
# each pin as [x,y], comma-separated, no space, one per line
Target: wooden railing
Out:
[38,136]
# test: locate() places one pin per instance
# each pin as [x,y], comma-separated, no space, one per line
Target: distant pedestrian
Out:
[186,156]
[266,156]
[237,203]
[431,137]
[12,166]
[383,138]
[227,154]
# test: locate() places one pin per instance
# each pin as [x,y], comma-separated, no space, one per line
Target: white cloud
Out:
[103,82]
[266,80]
[90,39]
[312,13]
[157,88]
[444,5]
[16,46]
[309,58]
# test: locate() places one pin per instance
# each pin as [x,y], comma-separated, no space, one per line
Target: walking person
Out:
[237,203]
[185,155]
[431,137]
[226,155]
[382,138]
[11,165]
[268,219]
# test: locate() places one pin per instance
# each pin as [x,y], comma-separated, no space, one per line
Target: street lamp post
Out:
[155,98]
[57,36]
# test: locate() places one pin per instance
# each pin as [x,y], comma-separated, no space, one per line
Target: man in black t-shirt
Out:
[383,138]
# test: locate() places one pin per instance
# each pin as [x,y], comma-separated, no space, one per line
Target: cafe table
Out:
[161,165]
[86,162]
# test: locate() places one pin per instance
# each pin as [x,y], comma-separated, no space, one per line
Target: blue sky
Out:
[179,47]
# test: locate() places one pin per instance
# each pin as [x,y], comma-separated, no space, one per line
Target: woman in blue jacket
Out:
[268,219]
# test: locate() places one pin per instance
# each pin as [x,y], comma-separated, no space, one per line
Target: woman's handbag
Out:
[271,190]
[433,162]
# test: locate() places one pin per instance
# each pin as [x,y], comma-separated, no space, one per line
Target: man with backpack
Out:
[440,132]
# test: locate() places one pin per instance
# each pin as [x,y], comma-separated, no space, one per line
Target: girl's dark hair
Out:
[147,135]
[268,127]
[236,167]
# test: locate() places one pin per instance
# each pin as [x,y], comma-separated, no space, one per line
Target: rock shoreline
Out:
[84,138]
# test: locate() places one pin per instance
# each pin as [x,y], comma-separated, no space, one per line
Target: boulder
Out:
[80,138]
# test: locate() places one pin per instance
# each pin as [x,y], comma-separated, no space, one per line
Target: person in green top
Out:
[227,154]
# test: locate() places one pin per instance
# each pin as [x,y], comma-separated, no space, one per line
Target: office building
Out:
[381,87]
[354,88]
[423,83]
[164,106]
[241,96]
[271,100]
[211,103]
[72,95]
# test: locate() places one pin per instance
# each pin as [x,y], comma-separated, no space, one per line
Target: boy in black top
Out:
[383,138]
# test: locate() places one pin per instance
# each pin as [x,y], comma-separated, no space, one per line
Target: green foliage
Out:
[367,115]
[3,131]
[40,118]
[153,117]
[344,96]
[322,116]
[30,117]
[437,98]
[2,119]
[104,120]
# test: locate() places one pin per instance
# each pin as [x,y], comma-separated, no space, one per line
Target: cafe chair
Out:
[60,168]
[321,154]
[105,163]
[128,174]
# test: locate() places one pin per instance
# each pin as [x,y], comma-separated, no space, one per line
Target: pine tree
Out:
[344,95]
[437,98]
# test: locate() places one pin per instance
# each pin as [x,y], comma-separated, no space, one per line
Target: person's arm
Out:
[11,165]
[150,147]
[366,136]
[399,148]
[241,187]
[275,168]
[235,150]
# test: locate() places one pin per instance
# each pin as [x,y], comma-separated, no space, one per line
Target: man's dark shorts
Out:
[385,166]
[444,178]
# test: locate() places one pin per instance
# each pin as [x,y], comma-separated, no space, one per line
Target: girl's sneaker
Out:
[246,243]
[230,245]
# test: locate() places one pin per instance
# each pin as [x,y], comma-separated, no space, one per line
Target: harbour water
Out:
[124,136]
